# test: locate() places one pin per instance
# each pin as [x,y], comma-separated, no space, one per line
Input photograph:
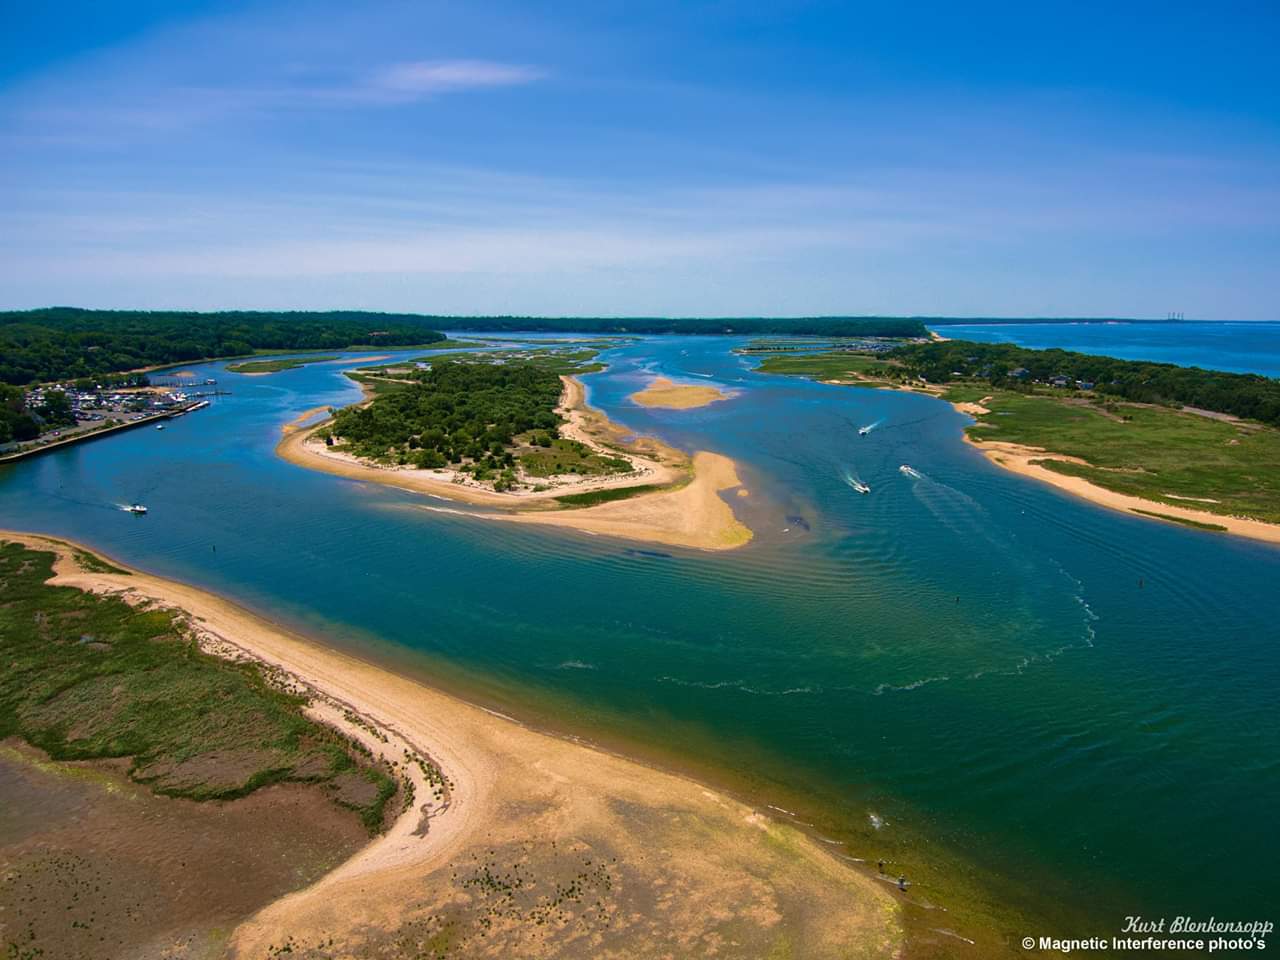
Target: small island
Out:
[665,393]
[511,429]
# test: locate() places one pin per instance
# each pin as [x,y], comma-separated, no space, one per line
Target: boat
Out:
[909,472]
[159,426]
[863,431]
[137,509]
[861,487]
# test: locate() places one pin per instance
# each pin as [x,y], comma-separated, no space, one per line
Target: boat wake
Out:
[852,479]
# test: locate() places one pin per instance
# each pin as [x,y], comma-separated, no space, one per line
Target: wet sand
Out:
[662,392]
[545,847]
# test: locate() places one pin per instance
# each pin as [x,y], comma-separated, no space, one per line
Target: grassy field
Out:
[833,365]
[275,366]
[568,456]
[379,385]
[89,677]
[1157,453]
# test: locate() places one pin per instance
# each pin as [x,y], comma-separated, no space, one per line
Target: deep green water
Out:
[1074,707]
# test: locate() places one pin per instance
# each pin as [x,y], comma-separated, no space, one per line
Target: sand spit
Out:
[692,516]
[1027,461]
[669,395]
[688,512]
[546,847]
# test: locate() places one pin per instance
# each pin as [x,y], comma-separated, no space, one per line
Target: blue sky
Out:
[661,158]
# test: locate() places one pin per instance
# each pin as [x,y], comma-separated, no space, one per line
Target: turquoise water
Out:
[1240,347]
[1079,704]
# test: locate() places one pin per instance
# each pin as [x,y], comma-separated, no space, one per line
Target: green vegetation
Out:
[275,366]
[591,497]
[1153,452]
[835,365]
[550,456]
[1129,426]
[377,386]
[15,422]
[1006,365]
[89,677]
[1216,527]
[62,343]
[491,415]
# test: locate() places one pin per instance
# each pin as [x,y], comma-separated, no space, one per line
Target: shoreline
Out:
[512,785]
[1022,460]
[1025,461]
[688,511]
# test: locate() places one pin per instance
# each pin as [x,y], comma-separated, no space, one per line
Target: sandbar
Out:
[648,863]
[669,395]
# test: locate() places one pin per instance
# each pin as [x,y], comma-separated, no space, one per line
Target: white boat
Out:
[159,426]
[909,472]
[138,509]
[861,487]
[863,431]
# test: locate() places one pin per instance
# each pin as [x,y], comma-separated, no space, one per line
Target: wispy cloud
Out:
[426,77]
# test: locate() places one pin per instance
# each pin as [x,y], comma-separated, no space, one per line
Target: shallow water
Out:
[1079,703]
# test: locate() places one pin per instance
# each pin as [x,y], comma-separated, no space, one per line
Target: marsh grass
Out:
[91,677]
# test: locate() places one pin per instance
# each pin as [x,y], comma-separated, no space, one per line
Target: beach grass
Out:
[832,365]
[592,497]
[91,677]
[1156,453]
[569,456]
[275,366]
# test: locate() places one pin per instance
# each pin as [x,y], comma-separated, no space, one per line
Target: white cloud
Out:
[448,76]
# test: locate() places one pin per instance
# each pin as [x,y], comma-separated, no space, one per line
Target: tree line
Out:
[455,411]
[1247,395]
[793,326]
[66,343]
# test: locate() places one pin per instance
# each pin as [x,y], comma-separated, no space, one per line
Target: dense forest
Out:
[455,411]
[495,420]
[64,343]
[1242,394]
[794,326]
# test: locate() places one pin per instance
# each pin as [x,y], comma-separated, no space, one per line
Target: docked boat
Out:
[137,509]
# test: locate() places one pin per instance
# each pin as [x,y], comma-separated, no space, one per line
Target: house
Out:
[1020,373]
[1060,381]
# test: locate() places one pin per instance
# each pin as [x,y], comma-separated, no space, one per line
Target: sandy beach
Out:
[613,858]
[1025,460]
[688,511]
[693,516]
[662,392]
